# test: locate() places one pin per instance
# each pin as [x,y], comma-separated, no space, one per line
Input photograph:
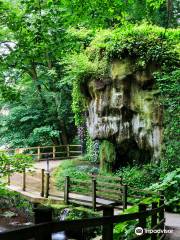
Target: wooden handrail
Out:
[97,188]
[28,148]
[80,181]
[144,191]
[105,177]
[53,152]
[109,184]
[50,227]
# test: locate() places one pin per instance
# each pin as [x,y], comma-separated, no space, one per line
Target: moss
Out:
[121,68]
[107,156]
[143,45]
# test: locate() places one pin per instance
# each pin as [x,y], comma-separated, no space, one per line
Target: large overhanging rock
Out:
[123,108]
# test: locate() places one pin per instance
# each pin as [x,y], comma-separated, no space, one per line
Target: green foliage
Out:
[89,149]
[31,74]
[144,43]
[151,177]
[80,213]
[170,185]
[15,163]
[168,83]
[99,14]
[125,230]
[80,70]
[140,176]
[92,150]
[9,200]
[76,169]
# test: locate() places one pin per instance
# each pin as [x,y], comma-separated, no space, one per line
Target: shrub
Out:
[170,185]
[139,176]
[75,169]
[17,163]
[9,199]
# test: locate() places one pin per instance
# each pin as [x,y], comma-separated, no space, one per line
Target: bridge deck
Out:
[79,199]
[33,188]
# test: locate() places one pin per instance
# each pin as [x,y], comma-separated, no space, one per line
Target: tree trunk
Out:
[169,6]
[33,73]
[64,138]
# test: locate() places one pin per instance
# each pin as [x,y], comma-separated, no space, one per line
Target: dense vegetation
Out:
[37,41]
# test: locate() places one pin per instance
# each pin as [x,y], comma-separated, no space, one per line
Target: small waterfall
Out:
[63,214]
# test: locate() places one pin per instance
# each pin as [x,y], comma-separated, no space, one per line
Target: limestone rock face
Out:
[124,109]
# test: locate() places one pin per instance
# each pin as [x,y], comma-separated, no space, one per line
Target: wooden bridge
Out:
[95,191]
[41,153]
[151,216]
[101,193]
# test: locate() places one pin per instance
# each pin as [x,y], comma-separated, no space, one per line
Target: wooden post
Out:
[54,152]
[47,185]
[121,181]
[154,221]
[24,180]
[42,182]
[68,153]
[124,197]
[9,176]
[161,213]
[142,219]
[107,231]
[94,194]
[42,215]
[66,190]
[9,179]
[38,153]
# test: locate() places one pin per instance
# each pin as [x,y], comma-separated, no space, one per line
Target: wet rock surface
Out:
[124,109]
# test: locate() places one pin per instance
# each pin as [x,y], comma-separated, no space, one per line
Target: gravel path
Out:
[173,222]
[52,164]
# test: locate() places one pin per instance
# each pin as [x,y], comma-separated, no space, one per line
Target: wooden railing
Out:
[51,152]
[97,187]
[96,190]
[154,215]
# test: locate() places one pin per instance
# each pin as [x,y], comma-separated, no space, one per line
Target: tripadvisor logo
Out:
[139,231]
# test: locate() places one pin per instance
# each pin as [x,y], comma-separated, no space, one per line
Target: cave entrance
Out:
[128,153]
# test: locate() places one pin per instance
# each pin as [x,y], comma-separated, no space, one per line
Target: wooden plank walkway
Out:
[33,188]
[35,197]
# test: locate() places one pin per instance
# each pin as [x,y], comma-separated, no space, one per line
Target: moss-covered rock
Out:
[107,156]
[117,81]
